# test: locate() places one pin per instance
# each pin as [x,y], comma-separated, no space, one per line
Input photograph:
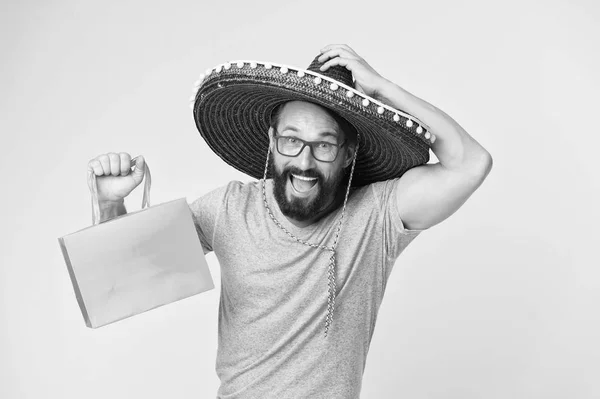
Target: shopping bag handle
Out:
[94,190]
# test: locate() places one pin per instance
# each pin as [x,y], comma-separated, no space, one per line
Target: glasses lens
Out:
[324,151]
[289,145]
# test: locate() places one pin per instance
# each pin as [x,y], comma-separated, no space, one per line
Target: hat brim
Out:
[233,105]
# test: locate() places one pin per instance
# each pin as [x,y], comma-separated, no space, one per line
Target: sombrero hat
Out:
[233,104]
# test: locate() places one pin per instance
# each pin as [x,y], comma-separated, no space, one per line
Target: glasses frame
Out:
[310,144]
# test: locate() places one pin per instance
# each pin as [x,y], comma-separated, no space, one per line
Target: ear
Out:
[349,153]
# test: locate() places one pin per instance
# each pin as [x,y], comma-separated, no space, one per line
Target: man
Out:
[306,251]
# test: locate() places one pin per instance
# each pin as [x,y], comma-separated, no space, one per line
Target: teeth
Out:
[304,178]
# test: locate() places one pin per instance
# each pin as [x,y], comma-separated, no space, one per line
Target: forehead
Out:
[309,119]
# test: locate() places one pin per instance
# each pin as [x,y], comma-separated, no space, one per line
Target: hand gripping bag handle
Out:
[94,190]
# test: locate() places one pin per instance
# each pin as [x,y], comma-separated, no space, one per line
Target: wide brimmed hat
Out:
[233,105]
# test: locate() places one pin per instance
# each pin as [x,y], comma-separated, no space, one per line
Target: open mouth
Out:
[303,184]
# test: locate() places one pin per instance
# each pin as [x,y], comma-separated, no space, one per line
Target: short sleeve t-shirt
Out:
[274,290]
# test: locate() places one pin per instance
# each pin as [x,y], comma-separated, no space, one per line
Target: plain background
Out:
[498,301]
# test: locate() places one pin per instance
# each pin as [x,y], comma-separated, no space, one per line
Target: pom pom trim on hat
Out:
[318,79]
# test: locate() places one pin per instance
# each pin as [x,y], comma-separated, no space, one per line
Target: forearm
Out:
[109,210]
[453,146]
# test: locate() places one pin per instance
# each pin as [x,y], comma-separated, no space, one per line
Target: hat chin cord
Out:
[331,270]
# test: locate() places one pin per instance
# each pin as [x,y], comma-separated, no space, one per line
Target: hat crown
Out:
[336,72]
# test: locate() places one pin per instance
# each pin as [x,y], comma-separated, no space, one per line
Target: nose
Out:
[305,159]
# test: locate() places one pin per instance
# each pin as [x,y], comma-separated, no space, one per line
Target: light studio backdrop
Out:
[498,301]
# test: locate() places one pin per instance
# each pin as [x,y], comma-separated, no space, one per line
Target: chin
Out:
[298,205]
[293,204]
[301,207]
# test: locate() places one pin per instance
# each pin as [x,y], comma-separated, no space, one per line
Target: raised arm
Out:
[427,194]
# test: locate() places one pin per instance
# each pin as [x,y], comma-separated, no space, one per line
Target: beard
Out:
[302,209]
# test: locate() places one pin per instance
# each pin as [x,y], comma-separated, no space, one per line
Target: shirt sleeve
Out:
[205,212]
[396,236]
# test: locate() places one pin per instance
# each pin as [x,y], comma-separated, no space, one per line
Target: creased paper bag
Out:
[135,262]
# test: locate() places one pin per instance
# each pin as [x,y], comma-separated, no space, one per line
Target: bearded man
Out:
[343,186]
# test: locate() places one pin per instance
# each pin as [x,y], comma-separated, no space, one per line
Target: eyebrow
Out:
[327,133]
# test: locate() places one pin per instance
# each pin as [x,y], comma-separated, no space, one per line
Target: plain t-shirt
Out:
[274,290]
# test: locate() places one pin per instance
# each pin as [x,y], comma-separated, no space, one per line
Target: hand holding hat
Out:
[367,80]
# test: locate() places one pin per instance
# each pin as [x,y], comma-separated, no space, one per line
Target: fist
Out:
[114,177]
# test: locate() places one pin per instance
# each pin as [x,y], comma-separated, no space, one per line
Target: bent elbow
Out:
[484,166]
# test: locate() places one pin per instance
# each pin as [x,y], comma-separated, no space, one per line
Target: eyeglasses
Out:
[323,151]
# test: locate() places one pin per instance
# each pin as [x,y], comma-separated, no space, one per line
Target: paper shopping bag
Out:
[135,262]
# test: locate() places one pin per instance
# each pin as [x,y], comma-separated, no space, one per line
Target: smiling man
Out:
[343,187]
[306,251]
[308,167]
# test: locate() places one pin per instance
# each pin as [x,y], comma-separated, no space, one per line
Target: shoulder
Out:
[379,193]
[382,196]
[369,199]
[218,196]
[242,191]
[233,189]
[237,195]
